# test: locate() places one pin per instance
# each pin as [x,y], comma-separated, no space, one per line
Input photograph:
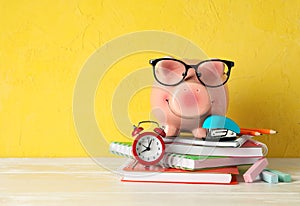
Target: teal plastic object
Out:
[269,177]
[282,177]
[220,122]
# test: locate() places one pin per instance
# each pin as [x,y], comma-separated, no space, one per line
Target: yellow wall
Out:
[44,45]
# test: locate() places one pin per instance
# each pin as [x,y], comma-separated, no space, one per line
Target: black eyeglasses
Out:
[211,73]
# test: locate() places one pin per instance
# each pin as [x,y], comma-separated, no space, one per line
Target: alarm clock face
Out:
[148,148]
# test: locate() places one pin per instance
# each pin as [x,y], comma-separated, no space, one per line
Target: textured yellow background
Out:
[44,44]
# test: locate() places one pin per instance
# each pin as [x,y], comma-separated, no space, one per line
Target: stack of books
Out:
[195,161]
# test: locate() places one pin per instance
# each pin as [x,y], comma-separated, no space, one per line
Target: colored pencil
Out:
[262,131]
[249,132]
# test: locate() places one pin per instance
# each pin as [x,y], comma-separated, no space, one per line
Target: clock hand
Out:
[150,143]
[147,149]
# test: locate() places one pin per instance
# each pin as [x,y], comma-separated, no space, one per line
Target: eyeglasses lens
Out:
[169,72]
[213,73]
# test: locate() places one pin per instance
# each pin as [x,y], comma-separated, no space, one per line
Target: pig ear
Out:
[219,66]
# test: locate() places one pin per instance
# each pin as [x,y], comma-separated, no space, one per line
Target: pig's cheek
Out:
[191,102]
[185,104]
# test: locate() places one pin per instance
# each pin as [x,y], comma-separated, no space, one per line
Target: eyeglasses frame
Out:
[228,63]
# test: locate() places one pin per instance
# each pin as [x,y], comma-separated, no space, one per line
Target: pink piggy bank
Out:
[186,92]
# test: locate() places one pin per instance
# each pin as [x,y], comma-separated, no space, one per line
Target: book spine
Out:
[184,163]
[169,160]
[215,151]
[121,149]
[177,161]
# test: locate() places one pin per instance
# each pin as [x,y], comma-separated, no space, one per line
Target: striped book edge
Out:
[122,149]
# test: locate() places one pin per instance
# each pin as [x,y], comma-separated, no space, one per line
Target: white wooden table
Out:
[80,181]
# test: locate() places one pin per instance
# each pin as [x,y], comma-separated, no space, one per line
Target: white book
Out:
[215,151]
[176,178]
[139,173]
[193,162]
[198,141]
[124,148]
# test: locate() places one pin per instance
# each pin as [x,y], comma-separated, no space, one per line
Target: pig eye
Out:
[198,74]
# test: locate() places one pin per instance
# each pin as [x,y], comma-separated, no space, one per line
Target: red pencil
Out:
[262,131]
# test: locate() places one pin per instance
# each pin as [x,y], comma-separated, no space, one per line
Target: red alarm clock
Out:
[148,147]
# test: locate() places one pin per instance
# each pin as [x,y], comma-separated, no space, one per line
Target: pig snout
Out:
[190,100]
